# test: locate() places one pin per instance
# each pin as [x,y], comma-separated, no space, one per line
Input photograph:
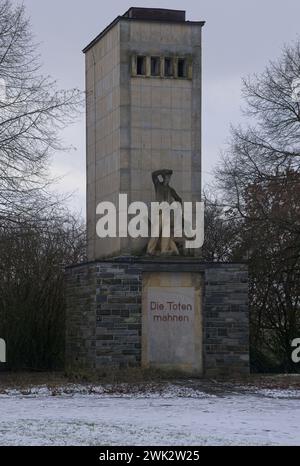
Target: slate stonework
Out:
[103,314]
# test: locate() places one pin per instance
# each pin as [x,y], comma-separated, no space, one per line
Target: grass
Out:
[139,377]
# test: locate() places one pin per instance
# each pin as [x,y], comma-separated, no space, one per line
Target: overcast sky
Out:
[239,38]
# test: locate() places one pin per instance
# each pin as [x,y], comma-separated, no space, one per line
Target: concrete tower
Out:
[143,85]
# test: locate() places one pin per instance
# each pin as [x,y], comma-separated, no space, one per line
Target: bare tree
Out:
[32,113]
[32,290]
[38,237]
[222,233]
[270,147]
[260,181]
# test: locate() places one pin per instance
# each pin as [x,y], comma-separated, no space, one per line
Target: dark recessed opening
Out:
[155,66]
[168,67]
[181,70]
[141,65]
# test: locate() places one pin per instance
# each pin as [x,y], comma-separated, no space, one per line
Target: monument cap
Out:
[155,14]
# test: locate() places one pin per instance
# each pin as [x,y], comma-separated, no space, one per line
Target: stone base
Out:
[172,321]
[104,314]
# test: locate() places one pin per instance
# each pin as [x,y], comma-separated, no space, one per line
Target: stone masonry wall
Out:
[103,315]
[103,318]
[226,319]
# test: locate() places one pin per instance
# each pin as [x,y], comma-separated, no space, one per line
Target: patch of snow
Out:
[119,391]
[278,393]
[168,415]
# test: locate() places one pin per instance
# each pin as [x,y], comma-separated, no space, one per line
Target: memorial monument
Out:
[144,300]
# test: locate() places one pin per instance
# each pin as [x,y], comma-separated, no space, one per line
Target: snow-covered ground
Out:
[172,416]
